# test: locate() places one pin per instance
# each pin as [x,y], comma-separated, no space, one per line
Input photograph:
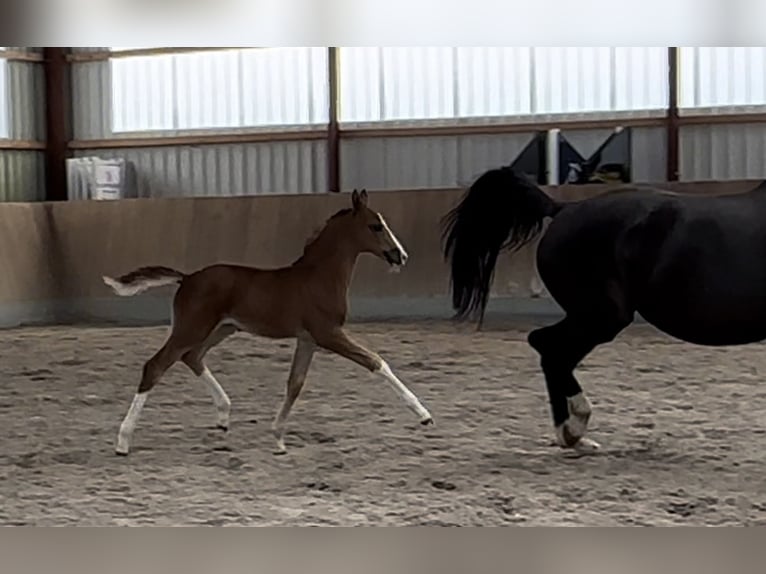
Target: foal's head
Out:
[371,232]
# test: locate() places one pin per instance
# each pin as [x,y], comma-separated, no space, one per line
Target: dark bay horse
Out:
[694,267]
[306,301]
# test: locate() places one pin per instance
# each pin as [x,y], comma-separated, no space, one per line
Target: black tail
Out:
[502,210]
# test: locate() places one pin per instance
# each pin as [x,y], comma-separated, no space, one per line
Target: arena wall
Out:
[53,255]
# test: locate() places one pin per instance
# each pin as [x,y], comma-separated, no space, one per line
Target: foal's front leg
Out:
[338,341]
[304,352]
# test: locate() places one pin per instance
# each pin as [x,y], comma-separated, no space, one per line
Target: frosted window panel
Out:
[143,95]
[208,88]
[418,83]
[714,77]
[427,83]
[360,87]
[494,81]
[220,89]
[572,80]
[286,86]
[641,78]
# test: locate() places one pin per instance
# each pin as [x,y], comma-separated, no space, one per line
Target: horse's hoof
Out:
[279,448]
[122,446]
[428,421]
[224,428]
[565,437]
[586,446]
[574,429]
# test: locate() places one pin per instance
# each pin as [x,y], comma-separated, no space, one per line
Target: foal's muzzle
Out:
[395,258]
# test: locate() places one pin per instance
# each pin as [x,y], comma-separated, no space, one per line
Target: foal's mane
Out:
[311,239]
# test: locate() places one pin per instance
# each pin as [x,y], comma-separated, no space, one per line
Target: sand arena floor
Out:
[683,431]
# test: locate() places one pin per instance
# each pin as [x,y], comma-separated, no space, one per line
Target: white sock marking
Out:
[220,398]
[407,395]
[129,423]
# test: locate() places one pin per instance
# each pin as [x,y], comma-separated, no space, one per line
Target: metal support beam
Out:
[672,116]
[333,131]
[57,121]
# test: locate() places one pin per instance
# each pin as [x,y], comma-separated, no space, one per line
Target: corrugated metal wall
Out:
[375,163]
[22,176]
[454,161]
[393,84]
[91,100]
[233,169]
[721,152]
[718,80]
[220,170]
[424,162]
[390,83]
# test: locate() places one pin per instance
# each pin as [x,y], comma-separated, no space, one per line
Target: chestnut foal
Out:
[306,301]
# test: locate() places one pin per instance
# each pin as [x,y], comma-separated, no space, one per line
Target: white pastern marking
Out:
[407,395]
[129,423]
[393,238]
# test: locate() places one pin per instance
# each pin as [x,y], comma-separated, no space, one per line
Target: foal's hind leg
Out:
[188,331]
[562,346]
[153,370]
[338,341]
[304,352]
[194,359]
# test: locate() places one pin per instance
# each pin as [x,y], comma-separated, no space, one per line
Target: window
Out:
[220,89]
[4,101]
[428,83]
[722,77]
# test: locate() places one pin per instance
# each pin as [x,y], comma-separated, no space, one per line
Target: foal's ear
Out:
[359,200]
[355,199]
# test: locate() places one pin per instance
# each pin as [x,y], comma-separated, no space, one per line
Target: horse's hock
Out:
[54,254]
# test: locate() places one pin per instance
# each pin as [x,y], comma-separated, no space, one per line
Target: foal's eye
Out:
[376,227]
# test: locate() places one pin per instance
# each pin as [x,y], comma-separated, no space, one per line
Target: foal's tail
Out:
[142,279]
[502,210]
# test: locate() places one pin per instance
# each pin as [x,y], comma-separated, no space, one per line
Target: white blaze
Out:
[393,237]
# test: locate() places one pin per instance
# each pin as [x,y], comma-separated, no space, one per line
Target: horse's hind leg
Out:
[194,359]
[153,370]
[561,347]
[304,352]
[191,330]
